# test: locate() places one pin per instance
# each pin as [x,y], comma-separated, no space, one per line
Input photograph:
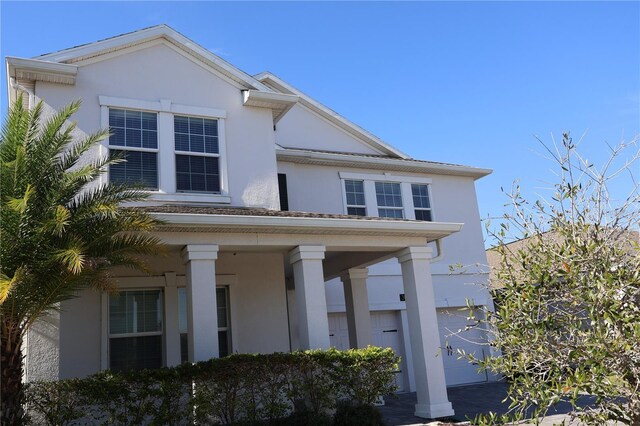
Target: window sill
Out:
[190,198]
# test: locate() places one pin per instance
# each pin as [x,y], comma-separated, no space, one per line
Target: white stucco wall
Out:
[303,128]
[258,310]
[158,72]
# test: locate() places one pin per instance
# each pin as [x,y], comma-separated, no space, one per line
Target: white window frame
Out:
[169,283]
[166,110]
[134,148]
[344,197]
[199,154]
[415,208]
[160,333]
[400,208]
[370,191]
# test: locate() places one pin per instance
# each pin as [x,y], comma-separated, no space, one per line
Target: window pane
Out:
[138,168]
[181,124]
[184,347]
[133,128]
[149,121]
[196,134]
[138,311]
[221,301]
[423,215]
[223,343]
[133,119]
[117,136]
[388,194]
[420,196]
[391,213]
[116,117]
[211,127]
[135,353]
[356,211]
[195,173]
[354,190]
[196,126]
[133,137]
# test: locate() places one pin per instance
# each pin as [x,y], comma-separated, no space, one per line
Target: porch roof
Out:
[183,218]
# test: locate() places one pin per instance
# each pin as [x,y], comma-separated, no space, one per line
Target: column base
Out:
[434,411]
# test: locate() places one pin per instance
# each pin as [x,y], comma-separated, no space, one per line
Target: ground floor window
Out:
[135,330]
[224,329]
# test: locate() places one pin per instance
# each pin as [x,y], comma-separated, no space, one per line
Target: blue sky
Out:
[461,82]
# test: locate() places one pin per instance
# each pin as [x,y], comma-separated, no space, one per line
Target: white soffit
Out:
[279,103]
[275,83]
[38,70]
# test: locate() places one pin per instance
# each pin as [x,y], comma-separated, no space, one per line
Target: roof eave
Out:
[329,159]
[305,225]
[279,103]
[38,70]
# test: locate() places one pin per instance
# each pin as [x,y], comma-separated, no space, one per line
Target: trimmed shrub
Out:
[280,388]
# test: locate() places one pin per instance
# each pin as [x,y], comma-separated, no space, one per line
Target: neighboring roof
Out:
[240,219]
[277,84]
[493,256]
[123,41]
[380,162]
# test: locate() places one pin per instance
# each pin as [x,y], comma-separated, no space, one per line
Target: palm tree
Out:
[60,231]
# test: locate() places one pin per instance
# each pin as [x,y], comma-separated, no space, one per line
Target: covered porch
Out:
[296,253]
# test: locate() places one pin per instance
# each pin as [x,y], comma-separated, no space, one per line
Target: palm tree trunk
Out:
[11,378]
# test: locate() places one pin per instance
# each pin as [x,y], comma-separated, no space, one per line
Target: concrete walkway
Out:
[467,401]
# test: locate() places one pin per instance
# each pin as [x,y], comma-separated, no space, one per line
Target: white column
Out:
[202,314]
[431,386]
[172,320]
[311,301]
[356,298]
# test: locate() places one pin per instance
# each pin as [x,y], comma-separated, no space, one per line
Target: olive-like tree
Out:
[60,230]
[567,316]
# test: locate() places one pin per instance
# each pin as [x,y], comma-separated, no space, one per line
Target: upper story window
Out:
[389,198]
[421,203]
[135,139]
[178,151]
[197,154]
[392,196]
[354,191]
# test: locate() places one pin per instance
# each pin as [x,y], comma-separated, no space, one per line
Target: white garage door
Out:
[460,371]
[385,327]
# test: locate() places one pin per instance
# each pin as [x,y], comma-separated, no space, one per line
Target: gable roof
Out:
[123,41]
[277,84]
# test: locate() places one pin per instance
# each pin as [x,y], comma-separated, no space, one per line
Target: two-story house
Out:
[288,227]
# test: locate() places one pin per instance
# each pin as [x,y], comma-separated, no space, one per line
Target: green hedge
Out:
[279,388]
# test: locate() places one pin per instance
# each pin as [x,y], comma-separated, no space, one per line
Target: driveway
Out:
[467,401]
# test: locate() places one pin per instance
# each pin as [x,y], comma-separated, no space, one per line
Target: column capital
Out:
[414,253]
[354,274]
[199,252]
[306,253]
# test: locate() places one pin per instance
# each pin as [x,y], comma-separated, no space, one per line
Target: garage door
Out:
[385,327]
[460,371]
